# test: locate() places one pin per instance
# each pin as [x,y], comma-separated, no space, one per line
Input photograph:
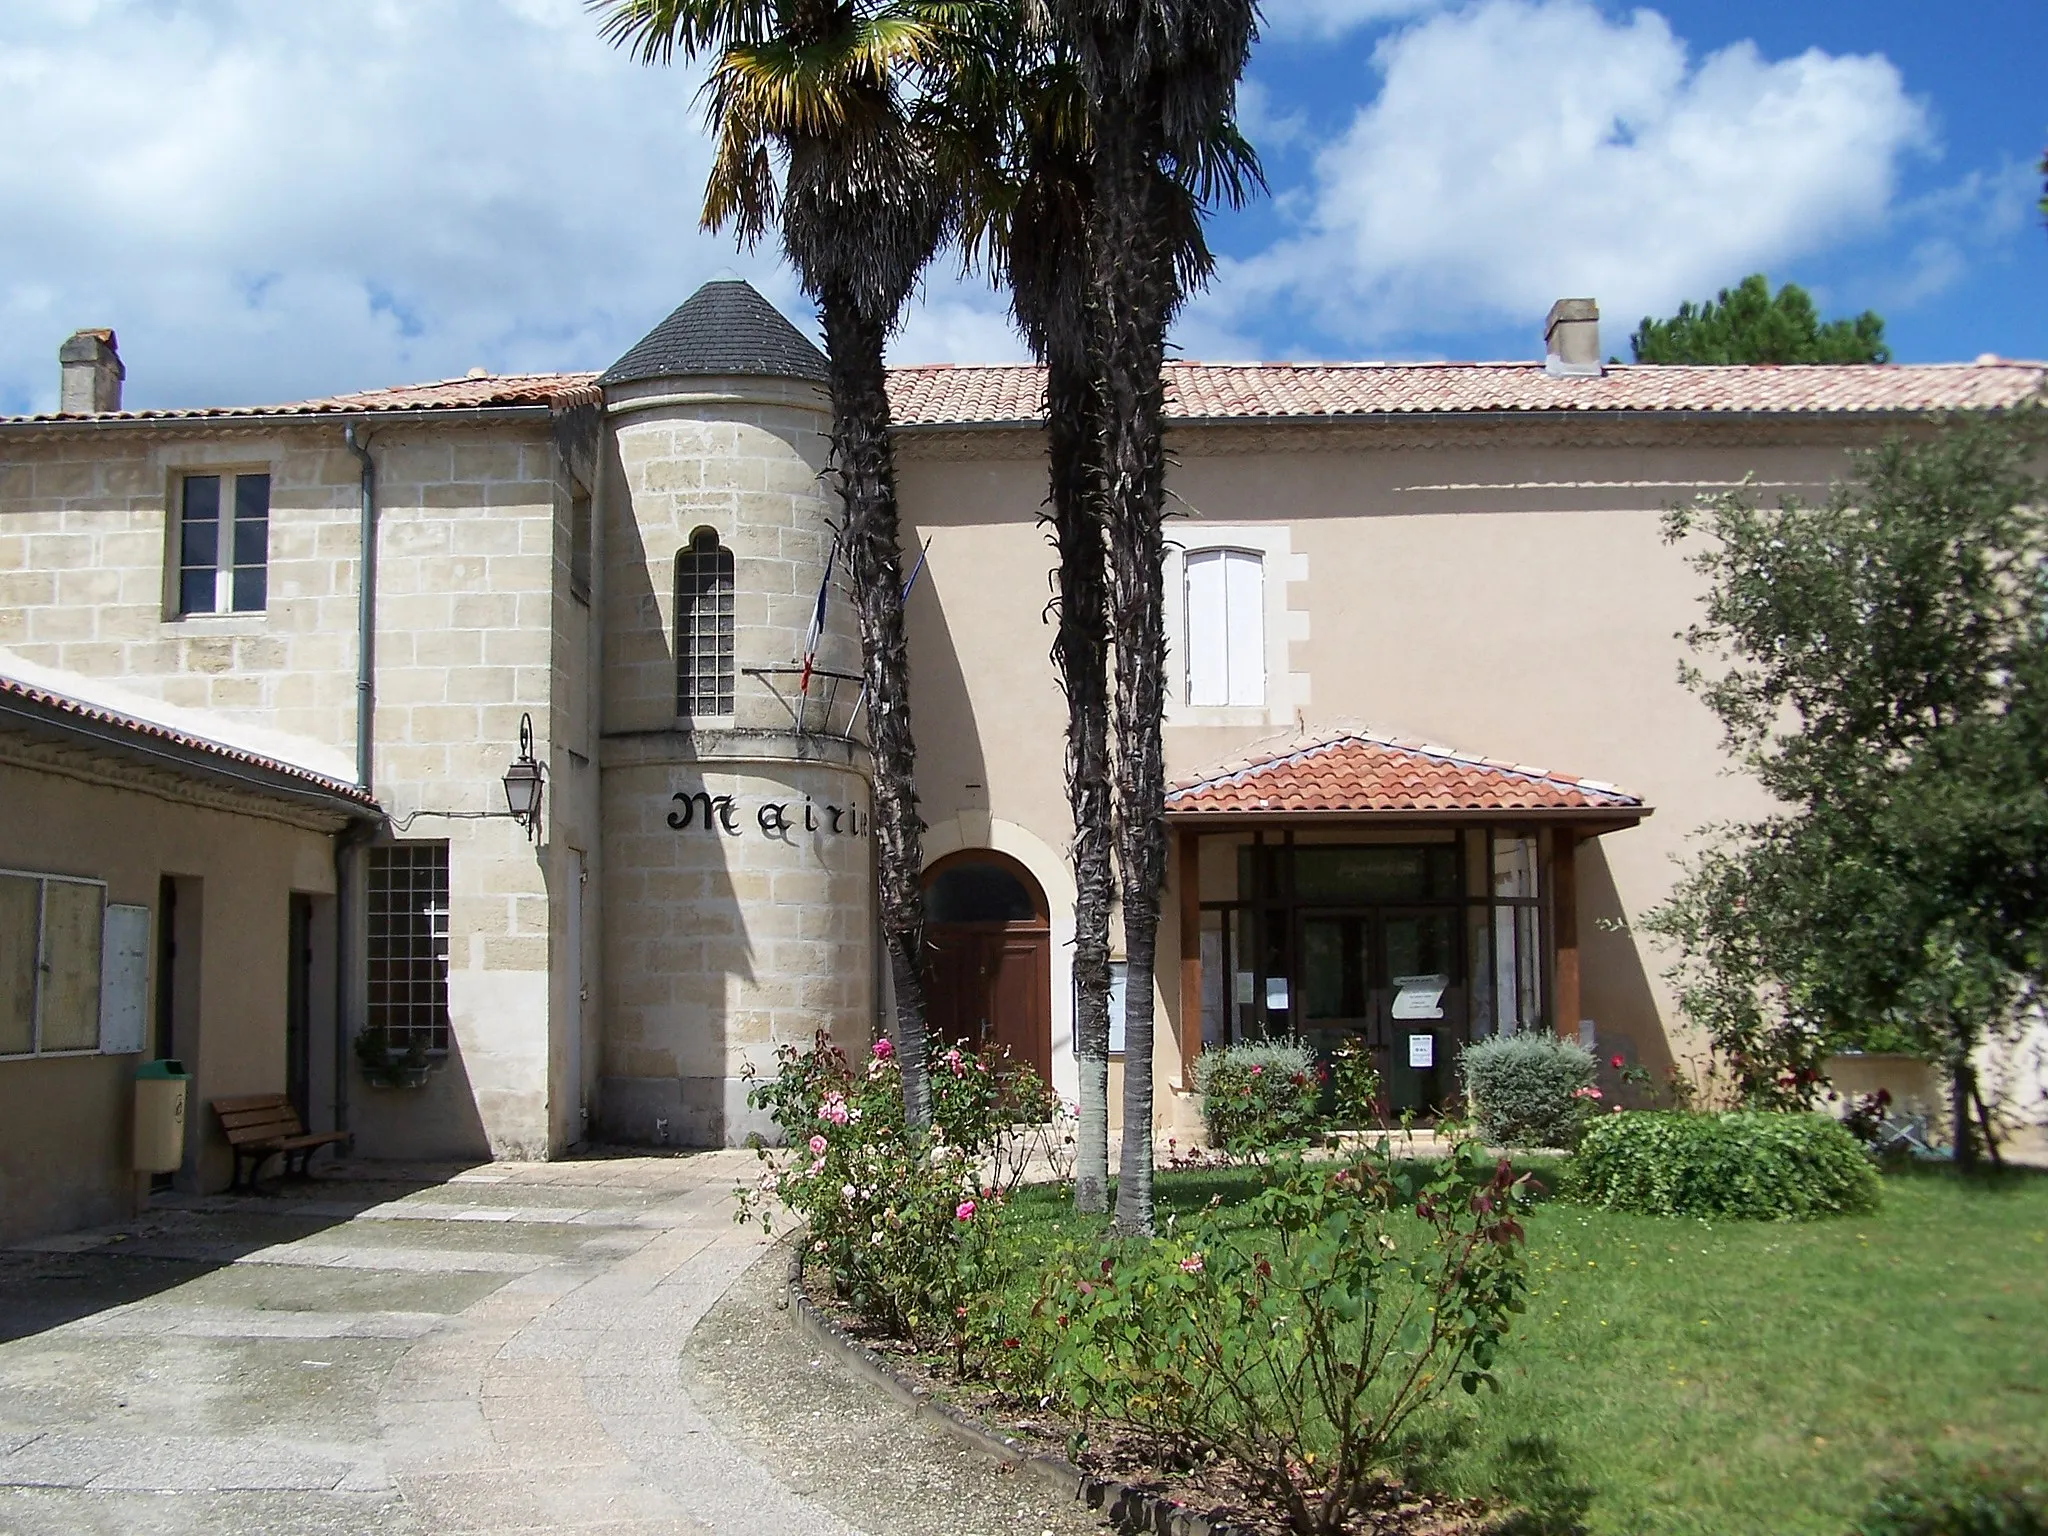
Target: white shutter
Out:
[124,981]
[1245,601]
[1208,628]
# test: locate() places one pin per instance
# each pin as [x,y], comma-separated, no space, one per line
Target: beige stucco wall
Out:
[474,628]
[1501,588]
[65,1122]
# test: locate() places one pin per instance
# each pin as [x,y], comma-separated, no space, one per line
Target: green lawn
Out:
[1676,1376]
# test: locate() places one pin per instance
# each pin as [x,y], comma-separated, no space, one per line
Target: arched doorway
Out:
[988,957]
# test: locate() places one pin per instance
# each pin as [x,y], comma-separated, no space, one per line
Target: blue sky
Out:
[269,202]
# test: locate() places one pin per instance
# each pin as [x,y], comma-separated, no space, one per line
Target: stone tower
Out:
[737,883]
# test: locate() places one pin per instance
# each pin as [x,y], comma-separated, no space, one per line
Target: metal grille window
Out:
[704,628]
[223,543]
[408,994]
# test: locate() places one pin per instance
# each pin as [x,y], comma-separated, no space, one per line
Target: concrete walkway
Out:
[497,1350]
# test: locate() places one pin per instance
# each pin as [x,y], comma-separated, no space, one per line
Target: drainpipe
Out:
[357,832]
[366,615]
[350,838]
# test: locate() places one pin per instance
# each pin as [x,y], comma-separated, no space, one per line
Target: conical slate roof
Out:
[724,328]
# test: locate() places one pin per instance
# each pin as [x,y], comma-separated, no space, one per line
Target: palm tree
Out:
[824,90]
[1161,81]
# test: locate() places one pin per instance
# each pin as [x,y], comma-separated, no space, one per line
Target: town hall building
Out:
[469,763]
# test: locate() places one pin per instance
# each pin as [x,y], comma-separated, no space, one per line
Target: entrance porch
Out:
[1363,887]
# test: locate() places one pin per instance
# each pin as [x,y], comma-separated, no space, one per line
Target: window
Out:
[1226,620]
[1119,989]
[223,543]
[49,964]
[408,994]
[581,538]
[704,627]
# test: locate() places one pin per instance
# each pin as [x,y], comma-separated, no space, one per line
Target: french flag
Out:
[815,635]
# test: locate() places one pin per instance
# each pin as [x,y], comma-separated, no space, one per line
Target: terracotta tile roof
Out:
[1359,773]
[466,394]
[949,395]
[200,749]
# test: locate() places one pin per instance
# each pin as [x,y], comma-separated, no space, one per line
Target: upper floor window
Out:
[1226,623]
[223,543]
[704,627]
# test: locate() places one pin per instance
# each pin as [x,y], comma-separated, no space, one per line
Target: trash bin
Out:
[160,1091]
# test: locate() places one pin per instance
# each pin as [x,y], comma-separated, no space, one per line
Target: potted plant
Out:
[385,1065]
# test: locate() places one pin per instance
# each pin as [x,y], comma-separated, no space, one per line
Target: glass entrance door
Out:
[1396,977]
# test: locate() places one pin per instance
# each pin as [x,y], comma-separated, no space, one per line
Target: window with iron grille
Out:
[704,628]
[408,996]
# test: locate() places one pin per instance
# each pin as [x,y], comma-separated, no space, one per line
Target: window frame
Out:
[227,570]
[694,624]
[44,879]
[396,1016]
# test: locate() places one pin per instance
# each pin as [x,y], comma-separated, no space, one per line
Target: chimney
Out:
[1571,339]
[92,373]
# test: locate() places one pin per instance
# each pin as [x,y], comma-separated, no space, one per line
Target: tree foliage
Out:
[1748,324]
[1887,683]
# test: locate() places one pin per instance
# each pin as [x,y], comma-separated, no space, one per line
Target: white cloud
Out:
[1295,19]
[272,201]
[1524,150]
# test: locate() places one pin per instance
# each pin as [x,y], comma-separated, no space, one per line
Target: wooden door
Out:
[989,986]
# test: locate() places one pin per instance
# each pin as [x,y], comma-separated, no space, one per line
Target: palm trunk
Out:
[1132,281]
[867,486]
[1081,653]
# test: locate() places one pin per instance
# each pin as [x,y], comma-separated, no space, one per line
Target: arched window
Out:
[704,649]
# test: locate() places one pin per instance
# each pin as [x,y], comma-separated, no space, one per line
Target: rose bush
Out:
[1300,1332]
[1258,1097]
[901,1223]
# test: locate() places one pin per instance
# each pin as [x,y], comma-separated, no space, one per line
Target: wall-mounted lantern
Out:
[526,782]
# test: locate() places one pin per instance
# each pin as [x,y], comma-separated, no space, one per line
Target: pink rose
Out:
[883,1049]
[964,1211]
[817,1146]
[1617,1063]
[1192,1264]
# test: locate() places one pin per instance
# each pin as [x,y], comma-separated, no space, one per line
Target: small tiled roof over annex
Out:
[1361,774]
[198,751]
[483,391]
[953,395]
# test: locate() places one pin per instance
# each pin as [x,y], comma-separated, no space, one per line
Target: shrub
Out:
[1354,1085]
[1961,1500]
[1530,1090]
[901,1223]
[1301,1332]
[1258,1096]
[1756,1165]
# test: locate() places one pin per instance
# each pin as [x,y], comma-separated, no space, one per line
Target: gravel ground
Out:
[842,1443]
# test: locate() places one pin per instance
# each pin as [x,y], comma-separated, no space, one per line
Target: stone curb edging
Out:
[1131,1510]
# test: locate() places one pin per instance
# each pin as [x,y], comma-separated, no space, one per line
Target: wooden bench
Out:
[259,1125]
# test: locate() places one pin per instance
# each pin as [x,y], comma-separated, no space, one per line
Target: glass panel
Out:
[251,589]
[1322,969]
[704,628]
[1416,872]
[1422,944]
[1119,977]
[195,591]
[1479,967]
[252,500]
[19,900]
[978,893]
[1517,968]
[71,950]
[1215,981]
[1514,868]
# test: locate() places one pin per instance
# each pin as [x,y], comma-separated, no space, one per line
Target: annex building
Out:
[268,674]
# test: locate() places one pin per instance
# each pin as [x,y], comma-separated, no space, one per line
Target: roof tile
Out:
[1366,773]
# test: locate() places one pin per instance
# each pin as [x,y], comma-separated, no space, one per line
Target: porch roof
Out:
[1362,774]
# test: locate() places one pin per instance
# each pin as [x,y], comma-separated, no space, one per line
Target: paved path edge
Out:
[1129,1508]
